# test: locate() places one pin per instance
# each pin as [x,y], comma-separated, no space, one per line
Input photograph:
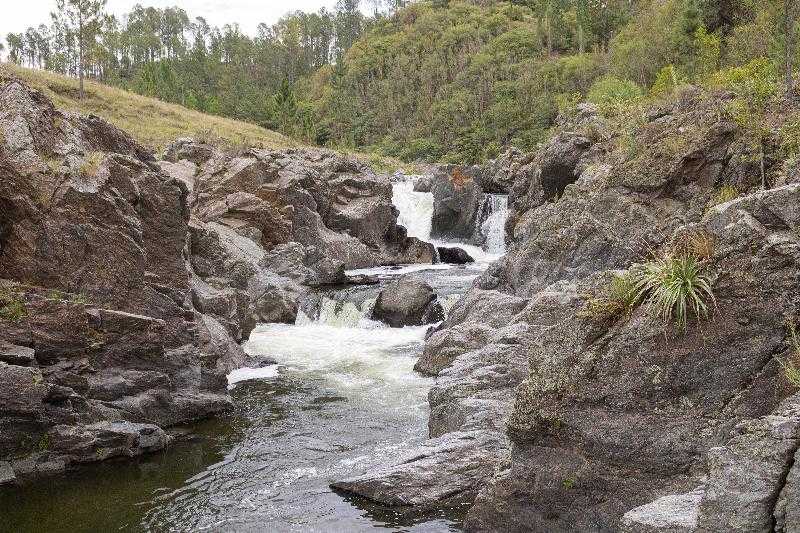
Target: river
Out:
[341,396]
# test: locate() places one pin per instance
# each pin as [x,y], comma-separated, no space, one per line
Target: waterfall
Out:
[340,314]
[416,214]
[494,214]
[416,209]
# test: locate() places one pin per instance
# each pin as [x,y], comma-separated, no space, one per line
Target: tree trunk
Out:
[788,13]
[80,56]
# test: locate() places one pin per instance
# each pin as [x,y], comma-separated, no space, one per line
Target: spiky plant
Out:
[617,299]
[791,366]
[675,286]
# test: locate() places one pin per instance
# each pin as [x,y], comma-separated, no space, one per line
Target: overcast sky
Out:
[18,15]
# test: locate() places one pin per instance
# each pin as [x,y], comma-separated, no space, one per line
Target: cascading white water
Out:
[416,214]
[416,208]
[493,226]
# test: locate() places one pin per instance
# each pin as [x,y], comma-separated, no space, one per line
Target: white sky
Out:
[18,15]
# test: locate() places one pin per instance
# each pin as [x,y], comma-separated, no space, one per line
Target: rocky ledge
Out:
[554,411]
[127,283]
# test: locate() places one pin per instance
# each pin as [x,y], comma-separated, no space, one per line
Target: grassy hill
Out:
[152,122]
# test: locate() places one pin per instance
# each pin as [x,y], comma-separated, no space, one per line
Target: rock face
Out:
[457,198]
[608,423]
[407,302]
[128,284]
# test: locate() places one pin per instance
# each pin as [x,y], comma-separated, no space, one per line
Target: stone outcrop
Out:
[457,199]
[622,422]
[100,342]
[407,301]
[127,284]
[454,255]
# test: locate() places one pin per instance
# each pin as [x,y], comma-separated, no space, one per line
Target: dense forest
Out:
[454,80]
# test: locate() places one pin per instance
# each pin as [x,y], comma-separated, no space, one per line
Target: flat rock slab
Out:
[450,467]
[16,355]
[676,513]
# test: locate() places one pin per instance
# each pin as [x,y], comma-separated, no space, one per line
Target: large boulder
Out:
[454,255]
[457,199]
[407,301]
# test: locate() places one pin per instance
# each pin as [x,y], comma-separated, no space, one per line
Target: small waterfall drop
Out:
[494,214]
[416,208]
[416,214]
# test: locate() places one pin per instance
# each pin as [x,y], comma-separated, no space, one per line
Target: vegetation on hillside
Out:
[150,121]
[451,80]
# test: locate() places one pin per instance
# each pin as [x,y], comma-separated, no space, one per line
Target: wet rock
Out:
[454,255]
[407,301]
[423,184]
[457,198]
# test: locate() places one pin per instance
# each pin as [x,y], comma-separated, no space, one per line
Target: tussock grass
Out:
[724,194]
[152,122]
[12,307]
[91,164]
[791,366]
[675,286]
[618,299]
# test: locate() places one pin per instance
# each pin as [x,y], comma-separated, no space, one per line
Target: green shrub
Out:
[617,299]
[667,80]
[12,307]
[673,287]
[612,95]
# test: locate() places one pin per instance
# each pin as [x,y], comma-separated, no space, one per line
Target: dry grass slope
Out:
[152,122]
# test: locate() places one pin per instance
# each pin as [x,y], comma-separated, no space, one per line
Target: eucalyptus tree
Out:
[84,19]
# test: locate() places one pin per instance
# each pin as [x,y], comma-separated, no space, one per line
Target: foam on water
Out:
[372,362]
[246,374]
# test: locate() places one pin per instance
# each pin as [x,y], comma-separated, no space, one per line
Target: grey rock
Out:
[448,469]
[16,355]
[675,513]
[407,301]
[6,473]
[747,474]
[787,508]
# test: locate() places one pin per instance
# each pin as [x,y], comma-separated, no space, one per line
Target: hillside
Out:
[150,121]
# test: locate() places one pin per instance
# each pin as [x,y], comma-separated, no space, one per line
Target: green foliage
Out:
[616,300]
[790,138]
[452,80]
[709,51]
[756,85]
[613,95]
[675,286]
[724,194]
[12,307]
[791,365]
[667,80]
